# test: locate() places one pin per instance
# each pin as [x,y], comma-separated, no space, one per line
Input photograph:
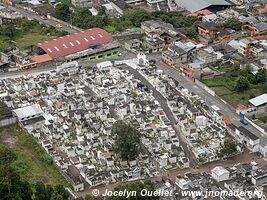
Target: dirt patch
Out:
[8,139]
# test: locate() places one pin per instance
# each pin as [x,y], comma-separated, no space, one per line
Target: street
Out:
[210,100]
[50,22]
[163,102]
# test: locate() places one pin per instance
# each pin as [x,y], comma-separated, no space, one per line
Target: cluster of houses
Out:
[219,181]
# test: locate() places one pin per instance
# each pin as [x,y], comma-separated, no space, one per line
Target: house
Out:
[254,25]
[161,29]
[212,30]
[191,70]
[182,183]
[206,55]
[252,48]
[173,56]
[132,44]
[248,138]
[220,174]
[154,45]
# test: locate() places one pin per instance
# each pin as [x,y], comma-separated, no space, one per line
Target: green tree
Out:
[242,84]
[60,193]
[11,187]
[62,11]
[126,140]
[191,33]
[261,76]
[233,23]
[136,16]
[40,192]
[229,148]
[102,11]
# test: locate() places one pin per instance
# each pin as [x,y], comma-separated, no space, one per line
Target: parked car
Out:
[243,121]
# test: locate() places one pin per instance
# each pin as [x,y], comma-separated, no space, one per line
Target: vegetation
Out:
[191,33]
[233,23]
[13,187]
[131,18]
[239,85]
[126,140]
[228,149]
[62,11]
[242,84]
[32,162]
[138,187]
[24,33]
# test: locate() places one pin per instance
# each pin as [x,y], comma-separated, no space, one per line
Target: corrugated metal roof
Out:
[259,100]
[75,42]
[196,5]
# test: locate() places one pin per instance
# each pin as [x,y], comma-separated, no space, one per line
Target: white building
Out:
[220,174]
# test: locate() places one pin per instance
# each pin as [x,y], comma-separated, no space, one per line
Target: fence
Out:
[206,88]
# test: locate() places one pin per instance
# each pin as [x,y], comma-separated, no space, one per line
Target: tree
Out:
[62,11]
[11,187]
[229,148]
[126,140]
[60,193]
[136,16]
[138,187]
[233,23]
[102,11]
[40,192]
[261,76]
[192,33]
[242,84]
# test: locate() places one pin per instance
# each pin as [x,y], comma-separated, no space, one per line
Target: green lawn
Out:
[33,162]
[228,82]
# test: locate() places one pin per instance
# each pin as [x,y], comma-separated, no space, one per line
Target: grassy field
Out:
[33,163]
[235,98]
[27,40]
[25,33]
[227,82]
[262,118]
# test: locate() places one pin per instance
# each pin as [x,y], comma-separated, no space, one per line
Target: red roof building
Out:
[75,42]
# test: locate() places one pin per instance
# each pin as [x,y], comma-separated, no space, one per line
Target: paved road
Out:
[50,22]
[163,102]
[225,108]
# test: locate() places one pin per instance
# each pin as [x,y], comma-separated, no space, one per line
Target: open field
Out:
[235,98]
[33,162]
[25,33]
[27,40]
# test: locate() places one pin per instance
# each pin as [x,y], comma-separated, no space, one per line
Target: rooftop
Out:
[75,42]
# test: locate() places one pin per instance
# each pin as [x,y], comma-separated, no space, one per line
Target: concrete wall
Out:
[7,122]
[203,86]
